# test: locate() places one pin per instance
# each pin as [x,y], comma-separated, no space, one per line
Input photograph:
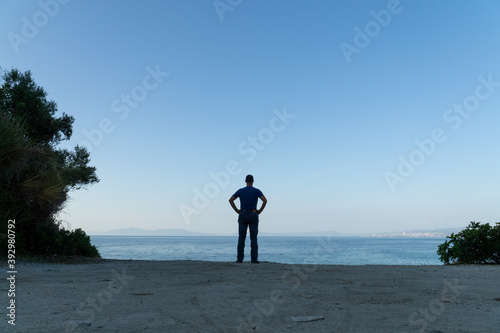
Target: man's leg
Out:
[242,235]
[254,230]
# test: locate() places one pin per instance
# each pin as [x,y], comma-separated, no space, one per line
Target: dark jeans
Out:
[248,220]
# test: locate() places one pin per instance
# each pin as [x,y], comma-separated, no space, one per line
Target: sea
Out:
[287,250]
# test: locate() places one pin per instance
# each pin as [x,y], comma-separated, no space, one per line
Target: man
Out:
[248,217]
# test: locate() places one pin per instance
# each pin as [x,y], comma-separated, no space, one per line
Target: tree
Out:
[27,102]
[476,244]
[36,176]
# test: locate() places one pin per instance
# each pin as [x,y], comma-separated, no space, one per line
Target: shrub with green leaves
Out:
[476,244]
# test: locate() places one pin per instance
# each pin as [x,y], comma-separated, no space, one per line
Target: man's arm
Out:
[231,202]
[264,203]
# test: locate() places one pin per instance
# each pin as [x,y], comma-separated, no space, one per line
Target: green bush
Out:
[77,243]
[476,244]
[49,239]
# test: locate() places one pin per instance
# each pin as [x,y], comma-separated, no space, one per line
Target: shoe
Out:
[239,261]
[255,262]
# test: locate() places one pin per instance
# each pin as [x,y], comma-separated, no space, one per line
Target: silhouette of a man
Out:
[248,217]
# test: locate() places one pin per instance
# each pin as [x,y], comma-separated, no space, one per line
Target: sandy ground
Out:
[193,296]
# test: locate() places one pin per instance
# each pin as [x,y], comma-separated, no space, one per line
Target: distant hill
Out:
[182,232]
[306,234]
[142,232]
[438,233]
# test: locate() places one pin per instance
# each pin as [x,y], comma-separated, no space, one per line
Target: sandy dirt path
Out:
[194,296]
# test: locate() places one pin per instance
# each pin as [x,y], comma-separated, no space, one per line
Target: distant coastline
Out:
[143,232]
[435,233]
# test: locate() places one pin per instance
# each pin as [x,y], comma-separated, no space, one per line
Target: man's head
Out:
[249,179]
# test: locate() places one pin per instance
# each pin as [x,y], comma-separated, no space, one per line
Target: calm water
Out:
[289,250]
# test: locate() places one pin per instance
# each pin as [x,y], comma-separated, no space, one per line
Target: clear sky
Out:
[353,116]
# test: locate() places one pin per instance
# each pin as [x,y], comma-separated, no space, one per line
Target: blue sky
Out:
[359,117]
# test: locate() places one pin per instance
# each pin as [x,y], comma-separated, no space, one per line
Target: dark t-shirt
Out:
[248,197]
